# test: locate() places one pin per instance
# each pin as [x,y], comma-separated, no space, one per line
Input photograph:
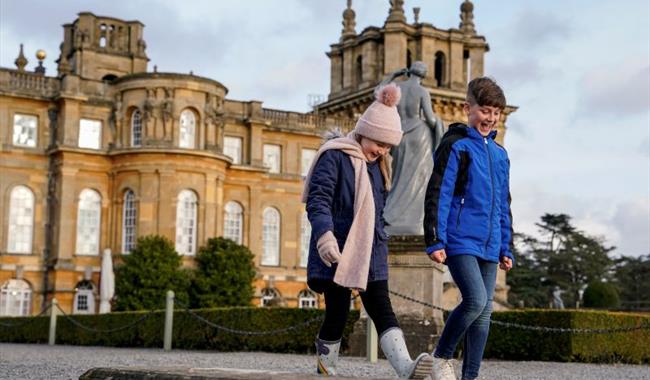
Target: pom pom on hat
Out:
[381,121]
[389,95]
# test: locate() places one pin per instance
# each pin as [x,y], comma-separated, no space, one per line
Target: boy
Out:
[467,223]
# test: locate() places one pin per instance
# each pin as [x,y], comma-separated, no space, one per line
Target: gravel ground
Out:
[31,361]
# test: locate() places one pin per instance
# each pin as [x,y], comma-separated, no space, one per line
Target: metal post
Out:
[169,321]
[53,313]
[371,341]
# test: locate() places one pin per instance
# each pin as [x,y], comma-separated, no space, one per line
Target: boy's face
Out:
[483,118]
[373,149]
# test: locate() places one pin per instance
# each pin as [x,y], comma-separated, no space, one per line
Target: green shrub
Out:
[510,343]
[223,276]
[152,268]
[601,295]
[188,332]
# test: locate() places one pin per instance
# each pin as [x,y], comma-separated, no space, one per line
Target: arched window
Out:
[136,128]
[129,220]
[88,222]
[269,296]
[233,222]
[21,220]
[305,235]
[439,69]
[307,299]
[359,70]
[84,298]
[187,129]
[15,298]
[186,223]
[271,237]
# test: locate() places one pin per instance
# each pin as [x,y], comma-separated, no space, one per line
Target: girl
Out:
[345,192]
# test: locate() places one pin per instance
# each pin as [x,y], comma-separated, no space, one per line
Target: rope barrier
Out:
[248,332]
[92,329]
[535,328]
[22,323]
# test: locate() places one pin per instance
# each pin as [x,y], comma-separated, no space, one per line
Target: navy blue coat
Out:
[330,207]
[467,205]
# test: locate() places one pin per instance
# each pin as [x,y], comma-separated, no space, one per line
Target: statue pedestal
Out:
[412,274]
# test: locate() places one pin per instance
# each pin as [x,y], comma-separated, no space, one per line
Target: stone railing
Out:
[305,120]
[27,82]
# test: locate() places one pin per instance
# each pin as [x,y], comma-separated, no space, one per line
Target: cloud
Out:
[622,223]
[616,90]
[535,29]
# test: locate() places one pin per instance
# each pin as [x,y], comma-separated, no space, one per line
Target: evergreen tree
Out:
[151,269]
[632,279]
[601,295]
[526,281]
[224,275]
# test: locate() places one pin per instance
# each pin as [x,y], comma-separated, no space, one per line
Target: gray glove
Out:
[328,248]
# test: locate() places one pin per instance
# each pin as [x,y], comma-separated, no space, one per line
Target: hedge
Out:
[188,332]
[510,343]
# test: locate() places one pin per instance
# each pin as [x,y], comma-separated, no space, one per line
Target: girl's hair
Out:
[384,165]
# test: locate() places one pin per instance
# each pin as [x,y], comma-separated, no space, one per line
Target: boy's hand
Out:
[328,248]
[505,263]
[438,256]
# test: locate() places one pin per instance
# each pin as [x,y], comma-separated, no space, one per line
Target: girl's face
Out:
[373,149]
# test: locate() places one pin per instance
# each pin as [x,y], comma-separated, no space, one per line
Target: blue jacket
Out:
[467,204]
[330,207]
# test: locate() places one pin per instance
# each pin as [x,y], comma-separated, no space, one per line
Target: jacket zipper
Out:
[487,149]
[462,202]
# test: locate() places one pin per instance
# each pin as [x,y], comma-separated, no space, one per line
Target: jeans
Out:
[337,304]
[475,279]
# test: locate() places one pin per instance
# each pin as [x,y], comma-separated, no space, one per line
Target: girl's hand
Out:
[505,263]
[438,256]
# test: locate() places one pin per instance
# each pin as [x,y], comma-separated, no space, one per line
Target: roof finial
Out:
[40,55]
[396,12]
[64,66]
[467,17]
[21,61]
[416,15]
[348,22]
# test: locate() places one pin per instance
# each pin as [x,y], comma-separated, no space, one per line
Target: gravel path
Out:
[34,362]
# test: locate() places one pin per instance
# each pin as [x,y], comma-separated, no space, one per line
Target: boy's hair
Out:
[485,91]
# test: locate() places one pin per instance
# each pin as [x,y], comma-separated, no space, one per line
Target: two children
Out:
[467,223]
[345,192]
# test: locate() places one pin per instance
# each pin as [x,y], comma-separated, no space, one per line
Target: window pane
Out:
[307,158]
[136,128]
[186,223]
[271,237]
[90,132]
[88,223]
[21,220]
[187,129]
[232,148]
[129,219]
[272,157]
[15,298]
[25,128]
[233,222]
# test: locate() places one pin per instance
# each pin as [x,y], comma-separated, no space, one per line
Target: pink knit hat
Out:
[381,121]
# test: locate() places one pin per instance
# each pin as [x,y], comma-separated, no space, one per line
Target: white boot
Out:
[394,347]
[442,369]
[327,354]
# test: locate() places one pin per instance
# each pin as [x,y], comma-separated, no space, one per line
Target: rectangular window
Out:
[90,134]
[232,148]
[306,158]
[272,157]
[25,130]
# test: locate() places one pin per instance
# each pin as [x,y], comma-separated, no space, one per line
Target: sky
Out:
[579,71]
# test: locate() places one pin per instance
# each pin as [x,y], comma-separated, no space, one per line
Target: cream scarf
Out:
[354,265]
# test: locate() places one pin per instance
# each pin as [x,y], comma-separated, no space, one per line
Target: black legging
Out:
[337,304]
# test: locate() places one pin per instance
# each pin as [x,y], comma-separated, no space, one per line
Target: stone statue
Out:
[557,298]
[413,157]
